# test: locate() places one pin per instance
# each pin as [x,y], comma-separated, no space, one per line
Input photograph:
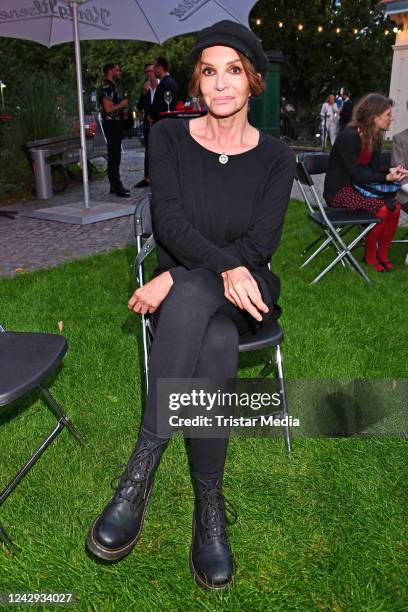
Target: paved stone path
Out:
[30,244]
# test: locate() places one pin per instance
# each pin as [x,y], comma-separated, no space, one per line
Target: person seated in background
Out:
[356,180]
[399,156]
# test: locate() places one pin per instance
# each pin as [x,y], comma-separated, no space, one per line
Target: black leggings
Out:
[197,336]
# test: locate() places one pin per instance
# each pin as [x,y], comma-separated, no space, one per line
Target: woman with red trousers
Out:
[356,179]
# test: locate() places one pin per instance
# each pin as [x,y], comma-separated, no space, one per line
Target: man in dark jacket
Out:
[346,110]
[145,104]
[167,84]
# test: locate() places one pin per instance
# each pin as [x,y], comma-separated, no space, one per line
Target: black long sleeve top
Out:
[344,169]
[214,216]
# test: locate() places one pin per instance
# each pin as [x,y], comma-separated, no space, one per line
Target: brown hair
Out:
[256,83]
[366,110]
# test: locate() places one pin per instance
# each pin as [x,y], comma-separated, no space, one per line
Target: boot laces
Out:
[133,477]
[216,513]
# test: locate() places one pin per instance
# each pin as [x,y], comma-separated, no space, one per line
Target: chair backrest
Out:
[143,218]
[315,163]
[145,244]
[308,165]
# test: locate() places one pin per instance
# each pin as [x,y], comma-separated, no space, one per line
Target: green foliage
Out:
[45,110]
[132,56]
[19,58]
[316,63]
[319,63]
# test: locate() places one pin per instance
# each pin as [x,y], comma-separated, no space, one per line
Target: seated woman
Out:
[356,180]
[220,193]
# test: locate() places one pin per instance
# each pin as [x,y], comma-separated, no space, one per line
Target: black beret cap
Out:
[232,34]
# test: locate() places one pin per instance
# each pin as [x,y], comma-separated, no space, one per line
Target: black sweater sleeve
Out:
[262,239]
[171,225]
[347,147]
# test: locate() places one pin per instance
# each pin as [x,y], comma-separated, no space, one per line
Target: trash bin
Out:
[42,174]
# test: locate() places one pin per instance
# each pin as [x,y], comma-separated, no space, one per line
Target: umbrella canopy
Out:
[52,22]
[49,22]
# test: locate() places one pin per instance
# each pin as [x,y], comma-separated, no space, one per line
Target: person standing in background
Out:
[112,116]
[346,110]
[167,84]
[145,104]
[339,101]
[329,115]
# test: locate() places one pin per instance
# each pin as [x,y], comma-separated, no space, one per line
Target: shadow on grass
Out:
[344,413]
[21,404]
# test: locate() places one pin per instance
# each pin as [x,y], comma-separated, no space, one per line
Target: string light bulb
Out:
[320,28]
[300,27]
[355,31]
[280,24]
[386,32]
[258,21]
[395,30]
[338,30]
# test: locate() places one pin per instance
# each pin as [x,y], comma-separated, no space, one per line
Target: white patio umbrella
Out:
[52,22]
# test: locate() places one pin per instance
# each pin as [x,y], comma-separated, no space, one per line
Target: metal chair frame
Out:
[145,244]
[62,421]
[333,231]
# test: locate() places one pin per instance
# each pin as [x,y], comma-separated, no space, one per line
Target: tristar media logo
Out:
[94,16]
[185,9]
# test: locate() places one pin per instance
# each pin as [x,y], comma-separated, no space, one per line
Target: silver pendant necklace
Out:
[223,158]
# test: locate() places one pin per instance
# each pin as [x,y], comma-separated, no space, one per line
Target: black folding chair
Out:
[268,336]
[335,222]
[26,360]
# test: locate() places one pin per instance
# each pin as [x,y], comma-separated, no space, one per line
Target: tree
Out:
[20,58]
[351,50]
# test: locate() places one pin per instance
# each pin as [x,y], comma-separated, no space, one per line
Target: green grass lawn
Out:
[325,531]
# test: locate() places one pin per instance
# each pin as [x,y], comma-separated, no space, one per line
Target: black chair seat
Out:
[342,216]
[26,359]
[269,334]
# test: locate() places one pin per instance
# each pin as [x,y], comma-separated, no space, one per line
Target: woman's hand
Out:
[241,289]
[397,174]
[148,298]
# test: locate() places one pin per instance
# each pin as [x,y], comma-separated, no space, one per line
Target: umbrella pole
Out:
[84,160]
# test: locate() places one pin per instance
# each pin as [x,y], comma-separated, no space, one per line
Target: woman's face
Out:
[331,99]
[383,121]
[223,83]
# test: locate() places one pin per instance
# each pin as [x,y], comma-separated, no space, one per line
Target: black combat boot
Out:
[211,560]
[116,531]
